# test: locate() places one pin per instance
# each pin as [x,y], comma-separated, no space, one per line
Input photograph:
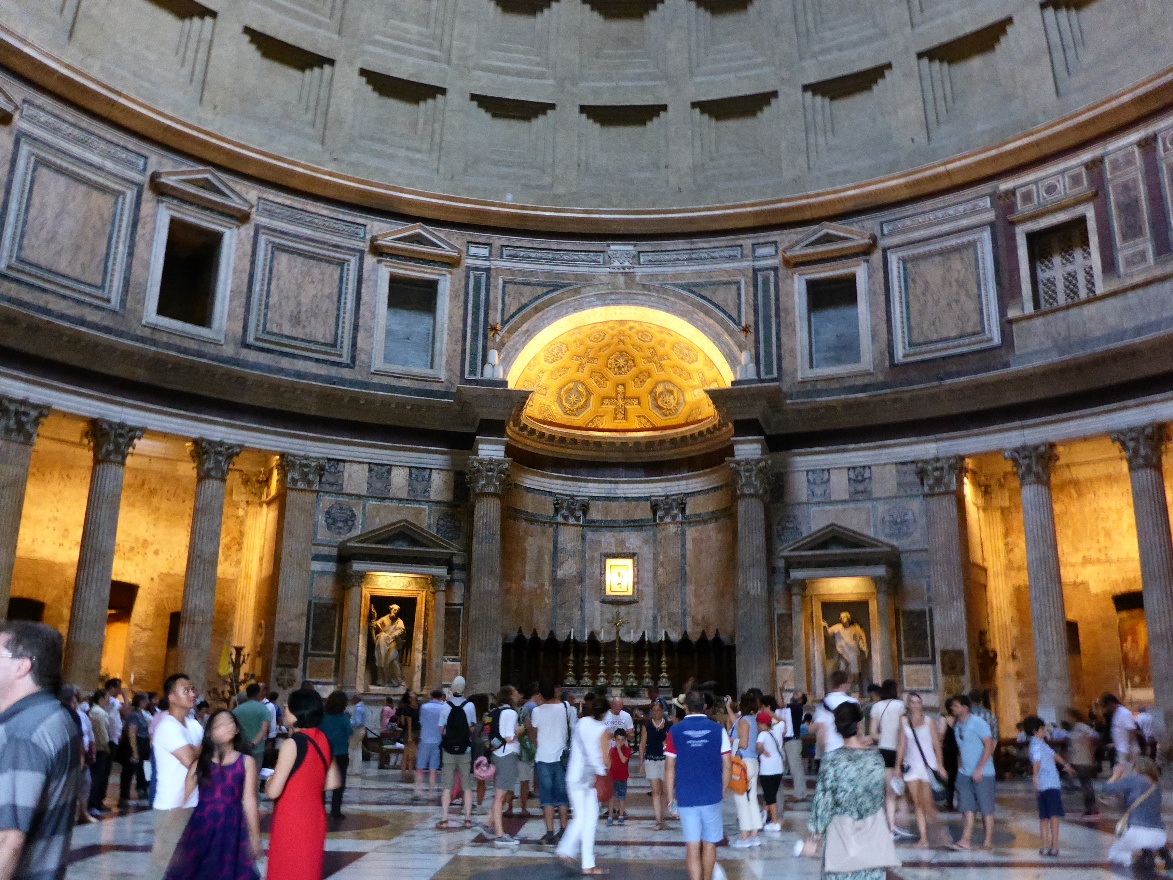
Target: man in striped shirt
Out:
[40,756]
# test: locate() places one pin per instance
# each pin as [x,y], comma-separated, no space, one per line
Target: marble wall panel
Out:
[381,514]
[711,577]
[853,516]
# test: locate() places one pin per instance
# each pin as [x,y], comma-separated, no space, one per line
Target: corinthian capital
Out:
[111,441]
[300,471]
[212,458]
[1142,446]
[20,419]
[571,510]
[669,508]
[750,476]
[1033,463]
[486,476]
[939,476]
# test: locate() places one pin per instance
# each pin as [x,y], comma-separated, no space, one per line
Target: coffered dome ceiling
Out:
[619,381]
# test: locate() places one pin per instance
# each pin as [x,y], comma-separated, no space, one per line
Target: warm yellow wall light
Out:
[619,582]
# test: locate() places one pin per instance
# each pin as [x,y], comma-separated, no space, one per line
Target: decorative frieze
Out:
[750,476]
[111,441]
[571,510]
[300,471]
[669,508]
[213,458]
[938,476]
[1142,446]
[486,476]
[1033,463]
[20,420]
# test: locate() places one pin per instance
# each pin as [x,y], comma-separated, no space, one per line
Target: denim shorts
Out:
[428,756]
[975,797]
[702,824]
[551,784]
[620,789]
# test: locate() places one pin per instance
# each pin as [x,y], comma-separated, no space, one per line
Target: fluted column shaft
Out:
[1143,447]
[939,477]
[755,667]
[485,638]
[19,421]
[212,460]
[111,443]
[300,475]
[1047,611]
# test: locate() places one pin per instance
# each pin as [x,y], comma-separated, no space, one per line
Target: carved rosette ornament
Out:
[1033,463]
[939,476]
[111,441]
[20,420]
[751,476]
[300,471]
[486,476]
[213,458]
[1142,446]
[571,510]
[669,509]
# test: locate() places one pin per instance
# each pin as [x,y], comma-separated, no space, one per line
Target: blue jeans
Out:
[551,779]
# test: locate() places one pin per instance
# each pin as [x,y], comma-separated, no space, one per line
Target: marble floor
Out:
[388,834]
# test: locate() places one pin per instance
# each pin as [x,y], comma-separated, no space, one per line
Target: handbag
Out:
[936,783]
[1122,825]
[604,788]
[859,844]
[482,769]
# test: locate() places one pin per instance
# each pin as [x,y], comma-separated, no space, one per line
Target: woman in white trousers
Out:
[589,752]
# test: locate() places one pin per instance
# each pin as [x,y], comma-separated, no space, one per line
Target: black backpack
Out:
[496,741]
[456,739]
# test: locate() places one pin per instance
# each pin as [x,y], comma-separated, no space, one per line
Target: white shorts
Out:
[654,769]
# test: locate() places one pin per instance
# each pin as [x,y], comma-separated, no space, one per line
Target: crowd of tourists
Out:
[202,770]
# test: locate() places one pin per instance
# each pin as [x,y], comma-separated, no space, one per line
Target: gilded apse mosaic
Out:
[620,377]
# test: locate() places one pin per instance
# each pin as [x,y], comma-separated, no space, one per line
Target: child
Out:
[620,756]
[1045,763]
[771,763]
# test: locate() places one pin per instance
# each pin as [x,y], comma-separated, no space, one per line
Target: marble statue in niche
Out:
[847,640]
[391,624]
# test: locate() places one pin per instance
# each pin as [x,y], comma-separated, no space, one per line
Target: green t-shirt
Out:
[250,715]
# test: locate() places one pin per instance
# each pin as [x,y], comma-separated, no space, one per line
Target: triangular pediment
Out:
[830,241]
[838,540]
[203,187]
[400,535]
[7,107]
[416,242]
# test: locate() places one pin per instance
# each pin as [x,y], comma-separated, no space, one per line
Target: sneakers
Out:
[623,820]
[610,821]
[900,832]
[772,826]
[755,841]
[547,839]
[505,840]
[741,843]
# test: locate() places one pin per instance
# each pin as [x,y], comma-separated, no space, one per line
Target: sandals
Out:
[595,872]
[468,823]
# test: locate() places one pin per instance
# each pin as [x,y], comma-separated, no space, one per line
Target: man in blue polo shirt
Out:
[975,772]
[699,762]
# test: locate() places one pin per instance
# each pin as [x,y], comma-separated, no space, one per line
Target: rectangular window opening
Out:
[409,339]
[832,306]
[1061,264]
[191,263]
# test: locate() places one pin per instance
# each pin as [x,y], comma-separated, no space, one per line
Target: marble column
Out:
[439,600]
[798,628]
[486,477]
[252,489]
[1143,447]
[940,479]
[885,591]
[1003,609]
[19,421]
[755,665]
[670,598]
[299,476]
[212,459]
[1033,465]
[111,443]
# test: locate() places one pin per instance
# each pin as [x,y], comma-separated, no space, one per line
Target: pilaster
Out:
[19,422]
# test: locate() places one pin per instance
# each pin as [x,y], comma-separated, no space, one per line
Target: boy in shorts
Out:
[1044,763]
[619,771]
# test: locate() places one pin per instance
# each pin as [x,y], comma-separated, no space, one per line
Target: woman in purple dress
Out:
[223,839]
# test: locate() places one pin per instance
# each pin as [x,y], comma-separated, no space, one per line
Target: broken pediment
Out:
[830,241]
[416,242]
[205,188]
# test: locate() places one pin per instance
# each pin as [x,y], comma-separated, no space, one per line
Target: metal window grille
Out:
[1061,260]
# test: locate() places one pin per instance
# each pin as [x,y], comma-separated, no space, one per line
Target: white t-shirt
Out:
[552,721]
[829,736]
[622,721]
[170,774]
[272,707]
[771,740]
[886,716]
[508,728]
[784,718]
[1123,724]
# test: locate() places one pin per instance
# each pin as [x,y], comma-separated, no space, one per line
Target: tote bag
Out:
[859,845]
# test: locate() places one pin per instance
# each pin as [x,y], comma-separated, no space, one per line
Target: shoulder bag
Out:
[935,780]
[859,844]
[565,758]
[1122,825]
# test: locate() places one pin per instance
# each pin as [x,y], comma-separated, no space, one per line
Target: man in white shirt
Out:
[505,758]
[618,718]
[551,725]
[824,721]
[113,708]
[1124,729]
[175,745]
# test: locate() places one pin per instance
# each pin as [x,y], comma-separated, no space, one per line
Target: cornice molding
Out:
[1086,124]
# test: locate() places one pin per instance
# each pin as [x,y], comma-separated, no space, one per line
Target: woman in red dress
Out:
[297,841]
